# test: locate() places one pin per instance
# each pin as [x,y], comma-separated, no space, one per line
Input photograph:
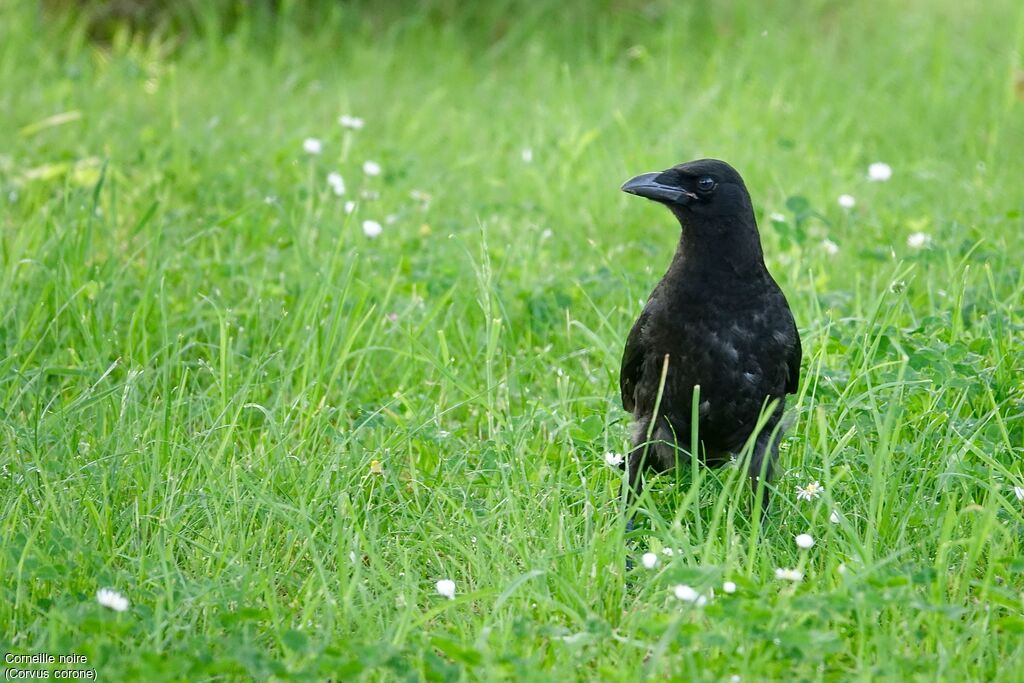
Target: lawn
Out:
[273,432]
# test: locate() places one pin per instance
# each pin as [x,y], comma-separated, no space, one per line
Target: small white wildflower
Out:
[371,168]
[805,541]
[834,517]
[879,172]
[841,568]
[847,201]
[372,229]
[1019,492]
[348,121]
[918,240]
[546,233]
[649,560]
[809,492]
[667,552]
[350,206]
[312,146]
[336,182]
[613,459]
[830,247]
[729,587]
[446,588]
[735,678]
[112,599]
[789,575]
[776,217]
[688,594]
[526,155]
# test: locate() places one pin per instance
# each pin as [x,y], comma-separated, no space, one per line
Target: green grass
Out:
[201,354]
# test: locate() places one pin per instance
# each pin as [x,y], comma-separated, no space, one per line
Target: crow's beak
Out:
[647,185]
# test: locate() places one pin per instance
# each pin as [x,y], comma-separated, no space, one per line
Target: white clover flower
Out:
[847,201]
[879,172]
[613,459]
[350,206]
[667,552]
[371,168]
[1019,492]
[688,594]
[312,146]
[112,599]
[805,541]
[834,517]
[830,247]
[372,229]
[649,560]
[446,588]
[809,492]
[729,587]
[352,122]
[793,575]
[918,240]
[776,217]
[526,155]
[336,182]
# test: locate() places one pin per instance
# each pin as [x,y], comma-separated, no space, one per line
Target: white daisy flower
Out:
[847,201]
[776,217]
[372,229]
[830,247]
[879,172]
[789,575]
[834,517]
[348,121]
[613,459]
[312,146]
[336,182]
[371,168]
[526,155]
[809,492]
[729,587]
[805,541]
[422,197]
[1019,492]
[446,588]
[112,599]
[649,560]
[918,240]
[688,594]
[350,206]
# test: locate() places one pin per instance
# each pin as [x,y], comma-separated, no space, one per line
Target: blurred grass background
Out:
[202,354]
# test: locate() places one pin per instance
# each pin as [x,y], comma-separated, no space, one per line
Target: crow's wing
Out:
[793,363]
[632,363]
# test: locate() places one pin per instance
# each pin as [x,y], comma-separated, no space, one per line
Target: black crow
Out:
[718,320]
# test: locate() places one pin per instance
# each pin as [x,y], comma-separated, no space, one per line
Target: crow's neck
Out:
[729,248]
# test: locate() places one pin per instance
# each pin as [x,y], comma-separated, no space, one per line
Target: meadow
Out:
[273,407]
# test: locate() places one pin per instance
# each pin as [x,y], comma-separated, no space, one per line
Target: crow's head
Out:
[706,187]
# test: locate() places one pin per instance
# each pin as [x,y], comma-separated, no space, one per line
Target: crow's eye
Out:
[706,184]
